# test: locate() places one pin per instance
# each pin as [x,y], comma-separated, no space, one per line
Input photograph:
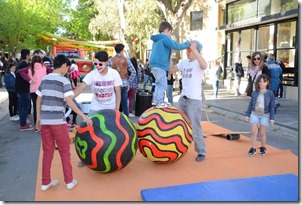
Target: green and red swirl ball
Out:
[164,134]
[110,144]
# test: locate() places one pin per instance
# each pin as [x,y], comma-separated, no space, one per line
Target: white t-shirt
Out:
[103,88]
[73,67]
[192,76]
[259,107]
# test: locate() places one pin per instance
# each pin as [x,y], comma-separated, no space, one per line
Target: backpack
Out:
[120,64]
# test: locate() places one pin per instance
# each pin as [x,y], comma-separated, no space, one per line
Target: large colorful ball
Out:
[164,134]
[110,144]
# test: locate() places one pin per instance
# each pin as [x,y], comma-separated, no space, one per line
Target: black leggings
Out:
[12,103]
[34,97]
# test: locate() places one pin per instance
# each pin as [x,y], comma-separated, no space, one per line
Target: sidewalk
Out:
[286,118]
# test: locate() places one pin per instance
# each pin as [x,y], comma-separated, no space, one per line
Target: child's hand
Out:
[247,119]
[38,124]
[193,46]
[272,122]
[88,121]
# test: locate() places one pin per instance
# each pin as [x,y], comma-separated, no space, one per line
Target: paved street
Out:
[20,150]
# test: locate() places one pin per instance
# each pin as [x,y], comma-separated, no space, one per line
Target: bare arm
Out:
[75,108]
[79,89]
[38,107]
[173,68]
[117,90]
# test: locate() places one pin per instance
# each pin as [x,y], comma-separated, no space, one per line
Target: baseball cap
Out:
[198,45]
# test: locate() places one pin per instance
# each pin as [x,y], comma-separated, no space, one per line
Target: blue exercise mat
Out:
[283,187]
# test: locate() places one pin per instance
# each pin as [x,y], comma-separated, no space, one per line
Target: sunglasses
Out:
[257,59]
[100,64]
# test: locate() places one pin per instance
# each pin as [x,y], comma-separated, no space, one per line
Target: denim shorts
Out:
[259,119]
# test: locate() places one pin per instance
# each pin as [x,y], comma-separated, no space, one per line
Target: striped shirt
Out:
[54,89]
[134,84]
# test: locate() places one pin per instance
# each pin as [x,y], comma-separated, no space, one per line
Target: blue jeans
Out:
[215,87]
[124,100]
[147,79]
[192,109]
[160,84]
[24,105]
[169,93]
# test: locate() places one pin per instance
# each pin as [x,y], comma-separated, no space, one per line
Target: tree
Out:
[174,10]
[130,22]
[26,19]
[133,21]
[77,27]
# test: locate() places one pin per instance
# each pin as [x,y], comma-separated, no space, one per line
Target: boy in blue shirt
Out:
[160,60]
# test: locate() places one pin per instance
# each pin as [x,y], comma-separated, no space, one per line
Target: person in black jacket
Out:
[280,89]
[22,89]
[239,73]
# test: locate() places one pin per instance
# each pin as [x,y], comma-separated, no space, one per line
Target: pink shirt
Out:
[40,72]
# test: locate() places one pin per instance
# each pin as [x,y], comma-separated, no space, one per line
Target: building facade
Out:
[268,26]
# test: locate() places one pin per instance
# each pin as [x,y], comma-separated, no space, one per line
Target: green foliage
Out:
[106,21]
[142,20]
[24,19]
[77,27]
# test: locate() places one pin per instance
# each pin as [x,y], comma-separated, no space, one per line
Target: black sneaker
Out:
[200,157]
[252,152]
[262,151]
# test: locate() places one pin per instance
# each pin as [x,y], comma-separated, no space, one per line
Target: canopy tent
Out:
[61,42]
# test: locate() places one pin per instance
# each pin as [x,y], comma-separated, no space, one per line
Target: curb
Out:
[289,132]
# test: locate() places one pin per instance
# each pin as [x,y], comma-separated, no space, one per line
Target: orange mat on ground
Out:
[226,159]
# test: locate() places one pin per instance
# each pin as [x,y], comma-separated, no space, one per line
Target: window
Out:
[241,10]
[270,7]
[233,47]
[286,34]
[247,44]
[265,38]
[286,43]
[196,20]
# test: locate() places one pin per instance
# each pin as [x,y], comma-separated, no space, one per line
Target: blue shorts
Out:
[259,119]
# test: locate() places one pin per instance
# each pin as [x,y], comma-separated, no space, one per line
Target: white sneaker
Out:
[14,118]
[53,183]
[154,102]
[131,115]
[72,184]
[163,104]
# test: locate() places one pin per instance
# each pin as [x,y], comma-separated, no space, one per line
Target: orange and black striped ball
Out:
[110,144]
[164,134]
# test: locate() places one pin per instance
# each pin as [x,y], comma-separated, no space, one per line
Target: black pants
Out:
[34,97]
[75,81]
[12,103]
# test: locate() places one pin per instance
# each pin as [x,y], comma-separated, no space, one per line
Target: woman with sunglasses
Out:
[258,67]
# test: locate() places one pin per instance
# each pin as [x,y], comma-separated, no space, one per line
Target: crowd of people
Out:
[45,86]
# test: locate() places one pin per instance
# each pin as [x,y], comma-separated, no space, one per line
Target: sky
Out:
[74,3]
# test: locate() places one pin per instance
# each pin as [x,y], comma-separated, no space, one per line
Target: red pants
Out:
[131,95]
[58,134]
